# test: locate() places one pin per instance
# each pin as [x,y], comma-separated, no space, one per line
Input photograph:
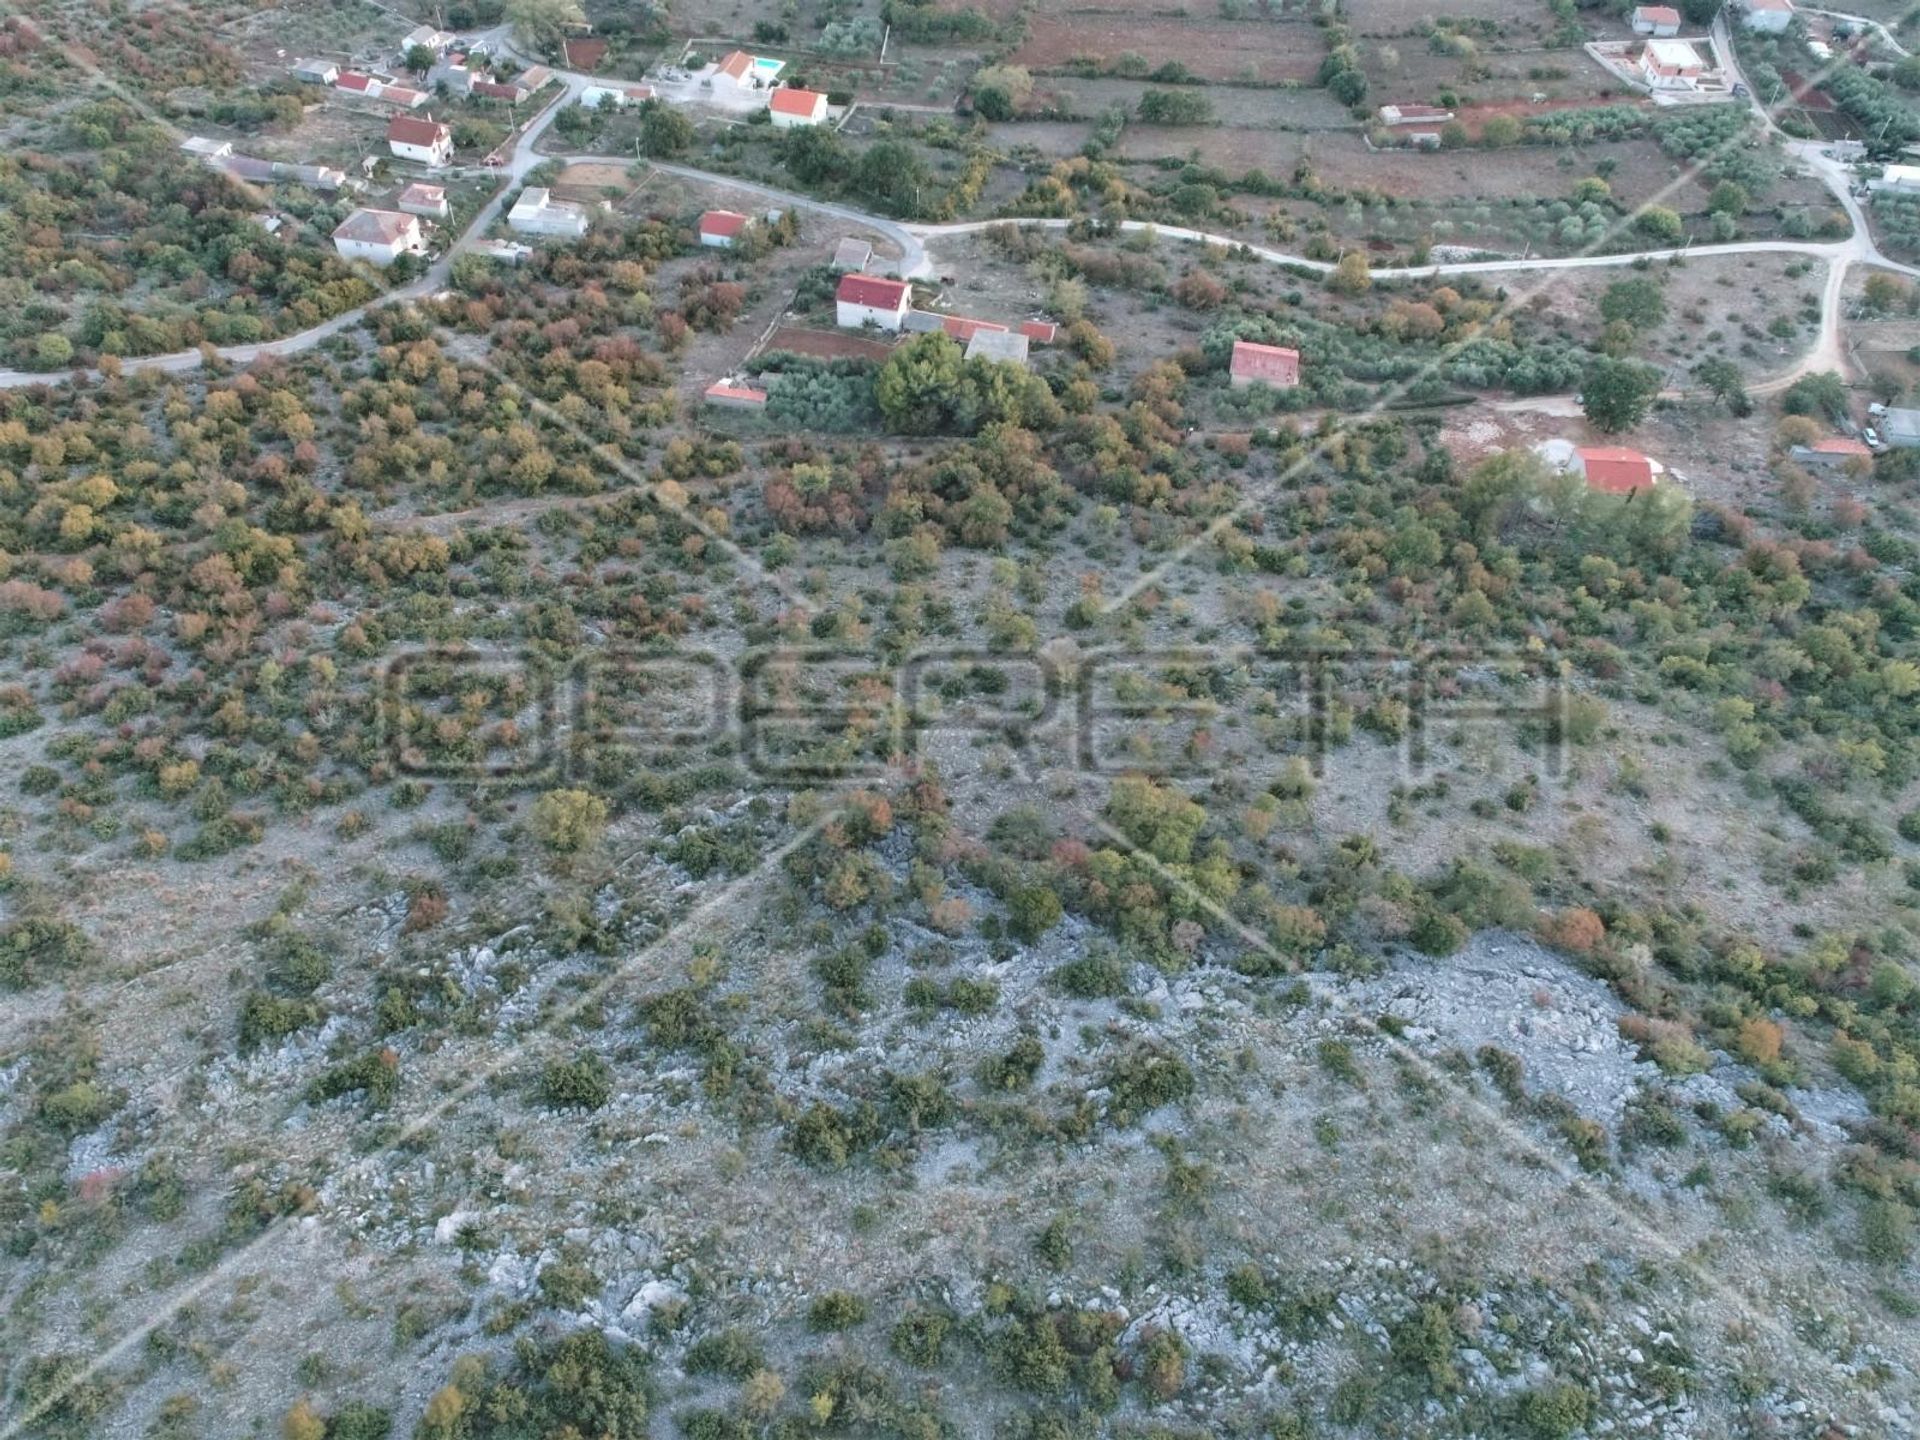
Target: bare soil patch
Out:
[827,344]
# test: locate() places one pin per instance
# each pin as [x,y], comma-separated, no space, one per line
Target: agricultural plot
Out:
[1210,49]
[1251,107]
[1408,17]
[1408,72]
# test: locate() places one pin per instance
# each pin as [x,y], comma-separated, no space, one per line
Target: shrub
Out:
[567,821]
[582,1083]
[836,1310]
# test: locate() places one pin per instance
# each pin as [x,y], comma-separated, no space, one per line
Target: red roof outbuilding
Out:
[872,290]
[722,222]
[1267,364]
[1614,468]
[796,102]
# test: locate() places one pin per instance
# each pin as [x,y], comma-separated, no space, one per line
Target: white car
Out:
[1872,437]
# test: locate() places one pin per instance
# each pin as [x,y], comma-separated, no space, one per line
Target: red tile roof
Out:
[411,130]
[796,102]
[736,64]
[872,290]
[721,390]
[1041,332]
[1657,14]
[1842,445]
[352,80]
[1614,468]
[963,329]
[1274,364]
[722,222]
[376,227]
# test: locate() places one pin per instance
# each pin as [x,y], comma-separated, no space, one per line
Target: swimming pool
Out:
[765,69]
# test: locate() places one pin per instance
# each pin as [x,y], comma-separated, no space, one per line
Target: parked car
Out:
[1872,437]
[1740,92]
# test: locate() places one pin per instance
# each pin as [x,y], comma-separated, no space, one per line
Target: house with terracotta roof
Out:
[426,141]
[964,328]
[1254,364]
[421,198]
[734,395]
[720,228]
[736,66]
[1670,65]
[1040,332]
[1771,17]
[1614,469]
[1835,451]
[870,300]
[379,236]
[1662,21]
[792,108]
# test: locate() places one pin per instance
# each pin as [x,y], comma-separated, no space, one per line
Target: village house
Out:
[1900,428]
[425,141]
[506,252]
[719,228]
[1902,178]
[1040,332]
[744,71]
[272,172]
[1834,451]
[379,236]
[1254,364]
[733,395]
[869,300]
[1670,65]
[1661,21]
[1614,469]
[427,38]
[316,72]
[793,108]
[1414,115]
[376,88]
[617,96]
[421,198]
[1771,17]
[536,212]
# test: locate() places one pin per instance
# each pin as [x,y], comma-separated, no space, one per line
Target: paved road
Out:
[1827,354]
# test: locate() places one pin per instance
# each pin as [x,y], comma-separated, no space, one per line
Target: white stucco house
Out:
[379,236]
[1771,17]
[869,300]
[426,141]
[536,212]
[792,108]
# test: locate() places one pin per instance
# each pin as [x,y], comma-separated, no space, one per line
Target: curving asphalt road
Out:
[1827,354]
